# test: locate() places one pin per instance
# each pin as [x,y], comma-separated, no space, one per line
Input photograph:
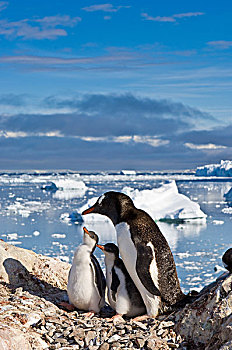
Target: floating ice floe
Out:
[25,208]
[222,169]
[218,222]
[227,210]
[73,217]
[162,203]
[66,188]
[36,233]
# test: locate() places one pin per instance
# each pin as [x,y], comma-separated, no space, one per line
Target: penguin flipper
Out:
[99,276]
[143,262]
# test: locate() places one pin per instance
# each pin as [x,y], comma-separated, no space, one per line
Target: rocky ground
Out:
[32,287]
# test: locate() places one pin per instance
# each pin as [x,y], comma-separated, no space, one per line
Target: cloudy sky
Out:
[115,85]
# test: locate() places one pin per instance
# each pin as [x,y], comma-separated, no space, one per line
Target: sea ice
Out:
[26,208]
[58,235]
[222,169]
[227,210]
[218,222]
[128,172]
[36,233]
[12,236]
[66,188]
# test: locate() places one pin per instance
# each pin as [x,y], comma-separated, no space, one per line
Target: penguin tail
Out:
[187,299]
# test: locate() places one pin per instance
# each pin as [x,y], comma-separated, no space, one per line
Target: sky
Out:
[94,85]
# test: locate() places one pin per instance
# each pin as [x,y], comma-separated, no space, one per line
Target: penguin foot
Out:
[67,306]
[89,314]
[141,318]
[116,318]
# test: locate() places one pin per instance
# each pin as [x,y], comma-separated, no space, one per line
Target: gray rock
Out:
[104,346]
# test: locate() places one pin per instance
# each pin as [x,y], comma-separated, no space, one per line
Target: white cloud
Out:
[149,140]
[41,28]
[188,14]
[104,8]
[220,44]
[171,18]
[158,18]
[3,5]
[208,146]
[21,134]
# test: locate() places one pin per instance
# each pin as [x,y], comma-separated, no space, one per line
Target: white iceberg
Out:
[66,188]
[228,195]
[162,203]
[128,172]
[165,203]
[223,169]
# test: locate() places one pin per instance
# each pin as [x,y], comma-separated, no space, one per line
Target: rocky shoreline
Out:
[32,287]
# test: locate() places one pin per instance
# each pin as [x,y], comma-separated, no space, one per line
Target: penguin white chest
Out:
[127,248]
[129,256]
[81,288]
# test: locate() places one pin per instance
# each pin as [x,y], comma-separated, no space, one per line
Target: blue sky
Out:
[112,85]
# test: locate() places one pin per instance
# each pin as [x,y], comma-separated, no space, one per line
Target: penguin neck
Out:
[109,262]
[119,216]
[89,243]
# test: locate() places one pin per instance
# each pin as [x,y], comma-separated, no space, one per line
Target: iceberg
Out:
[228,195]
[223,169]
[66,188]
[128,172]
[164,203]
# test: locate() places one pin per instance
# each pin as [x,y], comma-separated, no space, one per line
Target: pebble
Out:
[114,338]
[59,329]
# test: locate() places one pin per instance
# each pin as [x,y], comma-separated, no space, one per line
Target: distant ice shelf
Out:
[164,203]
[223,169]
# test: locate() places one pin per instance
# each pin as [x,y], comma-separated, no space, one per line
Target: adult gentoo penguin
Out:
[227,260]
[86,282]
[144,250]
[123,295]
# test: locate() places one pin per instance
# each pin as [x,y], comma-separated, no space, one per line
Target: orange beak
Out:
[87,211]
[85,230]
[100,246]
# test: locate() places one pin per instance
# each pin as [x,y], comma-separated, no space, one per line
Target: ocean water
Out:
[36,219]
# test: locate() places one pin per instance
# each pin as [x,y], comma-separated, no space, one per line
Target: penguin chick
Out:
[227,260]
[122,293]
[86,282]
[144,250]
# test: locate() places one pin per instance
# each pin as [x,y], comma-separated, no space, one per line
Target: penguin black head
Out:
[90,238]
[112,204]
[109,249]
[227,259]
